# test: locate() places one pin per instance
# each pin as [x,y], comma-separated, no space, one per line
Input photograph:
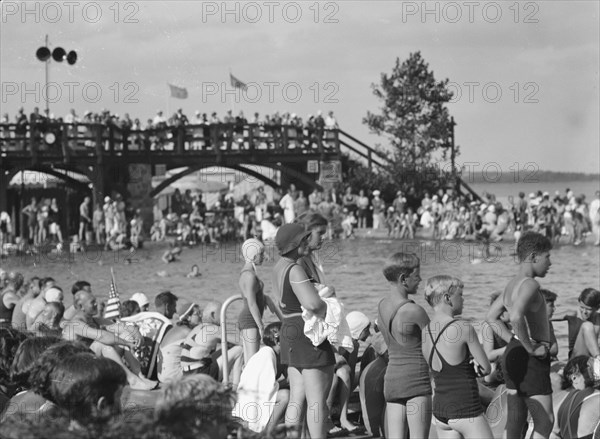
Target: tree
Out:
[414,116]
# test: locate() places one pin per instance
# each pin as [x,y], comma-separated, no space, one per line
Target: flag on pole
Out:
[235,82]
[113,306]
[178,92]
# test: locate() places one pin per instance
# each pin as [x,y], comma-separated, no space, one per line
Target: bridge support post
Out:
[3,189]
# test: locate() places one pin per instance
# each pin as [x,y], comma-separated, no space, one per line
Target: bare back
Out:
[525,293]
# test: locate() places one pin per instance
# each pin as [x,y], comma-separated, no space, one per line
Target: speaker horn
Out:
[43,54]
[72,57]
[59,54]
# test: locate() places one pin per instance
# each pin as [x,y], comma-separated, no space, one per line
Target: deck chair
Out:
[153,326]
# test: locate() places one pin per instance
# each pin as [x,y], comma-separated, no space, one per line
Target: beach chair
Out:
[153,326]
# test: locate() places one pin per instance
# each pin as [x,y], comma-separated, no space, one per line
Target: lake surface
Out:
[352,266]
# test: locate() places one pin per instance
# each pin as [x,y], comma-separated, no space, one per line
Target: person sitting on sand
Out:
[195,272]
[54,294]
[90,330]
[201,348]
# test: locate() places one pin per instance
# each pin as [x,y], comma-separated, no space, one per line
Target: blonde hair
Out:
[438,286]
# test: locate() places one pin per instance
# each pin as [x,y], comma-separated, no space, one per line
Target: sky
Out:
[525,75]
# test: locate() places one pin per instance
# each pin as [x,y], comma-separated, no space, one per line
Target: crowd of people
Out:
[65,370]
[160,131]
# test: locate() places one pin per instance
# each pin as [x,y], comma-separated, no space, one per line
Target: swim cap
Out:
[357,321]
[53,295]
[251,248]
[141,299]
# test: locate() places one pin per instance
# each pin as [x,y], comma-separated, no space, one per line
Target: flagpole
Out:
[232,99]
[168,102]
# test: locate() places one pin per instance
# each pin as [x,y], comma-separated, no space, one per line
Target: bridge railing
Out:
[65,139]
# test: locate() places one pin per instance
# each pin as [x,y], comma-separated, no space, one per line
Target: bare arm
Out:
[78,328]
[273,307]
[493,319]
[488,343]
[10,299]
[249,286]
[590,338]
[475,348]
[306,292]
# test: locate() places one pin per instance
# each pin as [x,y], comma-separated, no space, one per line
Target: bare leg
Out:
[251,342]
[344,395]
[395,421]
[135,381]
[418,414]
[472,428]
[317,382]
[281,403]
[294,414]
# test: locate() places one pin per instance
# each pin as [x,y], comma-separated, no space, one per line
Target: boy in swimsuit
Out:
[526,361]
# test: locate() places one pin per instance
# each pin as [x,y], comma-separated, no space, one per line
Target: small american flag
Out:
[113,307]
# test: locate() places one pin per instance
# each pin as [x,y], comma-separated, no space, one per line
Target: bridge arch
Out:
[80,186]
[242,168]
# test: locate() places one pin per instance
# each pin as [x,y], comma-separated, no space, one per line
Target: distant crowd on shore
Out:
[564,218]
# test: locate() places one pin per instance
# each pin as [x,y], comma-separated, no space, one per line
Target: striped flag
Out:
[236,82]
[113,307]
[178,92]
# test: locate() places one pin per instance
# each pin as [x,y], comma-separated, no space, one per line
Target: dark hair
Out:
[46,280]
[532,242]
[400,264]
[29,351]
[130,308]
[271,334]
[79,285]
[40,374]
[590,297]
[79,381]
[165,298]
[578,364]
[10,339]
[311,219]
[548,295]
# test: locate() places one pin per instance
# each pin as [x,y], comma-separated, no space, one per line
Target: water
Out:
[352,266]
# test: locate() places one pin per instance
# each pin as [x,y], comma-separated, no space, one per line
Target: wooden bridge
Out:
[104,153]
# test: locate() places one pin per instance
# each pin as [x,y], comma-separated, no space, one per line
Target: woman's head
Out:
[130,308]
[193,404]
[317,225]
[253,251]
[271,334]
[87,386]
[577,373]
[291,240]
[403,269]
[10,339]
[40,376]
[589,302]
[25,357]
[445,290]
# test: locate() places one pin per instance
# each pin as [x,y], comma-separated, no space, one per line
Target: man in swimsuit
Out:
[526,361]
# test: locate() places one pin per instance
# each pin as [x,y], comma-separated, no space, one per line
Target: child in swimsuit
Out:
[448,344]
[584,325]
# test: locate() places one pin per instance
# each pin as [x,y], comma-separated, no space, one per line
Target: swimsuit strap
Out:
[433,346]
[571,409]
[394,315]
[518,286]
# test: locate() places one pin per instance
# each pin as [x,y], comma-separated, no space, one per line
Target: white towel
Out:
[257,391]
[333,328]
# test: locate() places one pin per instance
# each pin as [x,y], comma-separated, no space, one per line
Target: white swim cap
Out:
[357,321]
[251,248]
[53,295]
